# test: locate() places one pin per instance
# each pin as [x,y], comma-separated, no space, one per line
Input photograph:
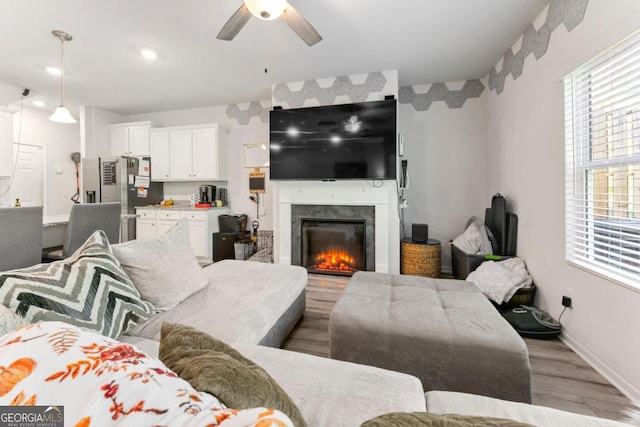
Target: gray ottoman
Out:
[445,332]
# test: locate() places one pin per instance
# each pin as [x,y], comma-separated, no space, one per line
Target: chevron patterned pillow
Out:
[89,289]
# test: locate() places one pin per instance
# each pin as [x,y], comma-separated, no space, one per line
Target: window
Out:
[602,132]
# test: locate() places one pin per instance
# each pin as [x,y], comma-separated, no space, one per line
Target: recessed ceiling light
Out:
[54,71]
[148,54]
[39,103]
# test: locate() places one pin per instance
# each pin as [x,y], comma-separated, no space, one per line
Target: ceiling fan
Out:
[268,10]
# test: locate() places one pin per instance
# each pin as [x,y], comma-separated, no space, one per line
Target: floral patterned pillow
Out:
[102,382]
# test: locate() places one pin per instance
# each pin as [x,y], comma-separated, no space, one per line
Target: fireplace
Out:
[331,246]
[333,239]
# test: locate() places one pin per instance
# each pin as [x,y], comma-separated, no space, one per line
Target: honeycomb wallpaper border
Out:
[243,116]
[570,13]
[440,92]
[368,86]
[336,90]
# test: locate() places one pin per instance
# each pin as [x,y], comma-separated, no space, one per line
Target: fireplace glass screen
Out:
[333,246]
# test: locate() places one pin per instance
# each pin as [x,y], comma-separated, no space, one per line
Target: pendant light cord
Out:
[61,71]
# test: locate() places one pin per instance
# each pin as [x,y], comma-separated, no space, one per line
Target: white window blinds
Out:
[602,133]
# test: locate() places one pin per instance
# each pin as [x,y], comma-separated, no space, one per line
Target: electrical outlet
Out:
[566,301]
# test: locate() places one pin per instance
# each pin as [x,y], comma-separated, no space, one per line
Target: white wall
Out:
[445,149]
[95,130]
[9,93]
[238,184]
[525,158]
[34,127]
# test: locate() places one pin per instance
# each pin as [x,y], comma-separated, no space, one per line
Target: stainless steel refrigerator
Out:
[121,179]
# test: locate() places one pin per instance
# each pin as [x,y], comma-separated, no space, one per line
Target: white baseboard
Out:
[612,376]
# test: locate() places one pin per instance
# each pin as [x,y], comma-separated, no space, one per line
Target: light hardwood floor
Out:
[560,378]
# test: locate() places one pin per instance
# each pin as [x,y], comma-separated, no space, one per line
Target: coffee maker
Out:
[207,193]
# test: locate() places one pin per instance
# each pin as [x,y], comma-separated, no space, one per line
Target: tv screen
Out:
[350,141]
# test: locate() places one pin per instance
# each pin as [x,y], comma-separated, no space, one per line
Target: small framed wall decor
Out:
[256,181]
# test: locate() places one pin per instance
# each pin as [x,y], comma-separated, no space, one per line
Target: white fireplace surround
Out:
[380,194]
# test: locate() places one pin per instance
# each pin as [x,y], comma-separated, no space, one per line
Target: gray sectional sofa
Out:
[254,306]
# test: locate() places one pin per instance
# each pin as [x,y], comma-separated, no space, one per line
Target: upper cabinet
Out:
[189,153]
[6,141]
[159,151]
[129,139]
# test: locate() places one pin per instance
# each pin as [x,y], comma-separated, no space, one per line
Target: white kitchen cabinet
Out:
[129,139]
[198,238]
[160,155]
[202,224]
[189,153]
[166,219]
[145,223]
[205,154]
[181,150]
[6,141]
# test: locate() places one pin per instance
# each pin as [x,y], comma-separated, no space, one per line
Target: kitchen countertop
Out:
[180,207]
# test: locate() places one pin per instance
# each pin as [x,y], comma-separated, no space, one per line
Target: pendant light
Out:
[62,113]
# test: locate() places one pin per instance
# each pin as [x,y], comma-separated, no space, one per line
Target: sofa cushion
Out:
[444,332]
[446,402]
[425,419]
[333,393]
[212,366]
[102,382]
[242,302]
[164,269]
[88,289]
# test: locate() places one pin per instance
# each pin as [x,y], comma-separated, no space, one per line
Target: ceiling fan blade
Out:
[300,25]
[235,24]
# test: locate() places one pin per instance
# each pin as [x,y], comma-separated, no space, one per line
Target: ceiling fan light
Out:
[62,115]
[266,9]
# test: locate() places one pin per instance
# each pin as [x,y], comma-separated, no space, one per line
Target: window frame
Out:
[588,232]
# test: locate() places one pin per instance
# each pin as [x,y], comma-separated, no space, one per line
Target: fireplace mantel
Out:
[380,194]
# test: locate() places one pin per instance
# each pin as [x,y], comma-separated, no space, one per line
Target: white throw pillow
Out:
[164,269]
[103,382]
[9,320]
[475,239]
[470,241]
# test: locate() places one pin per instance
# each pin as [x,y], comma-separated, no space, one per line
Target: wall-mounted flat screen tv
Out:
[349,141]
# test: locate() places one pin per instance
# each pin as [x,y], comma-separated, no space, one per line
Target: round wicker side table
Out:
[420,258]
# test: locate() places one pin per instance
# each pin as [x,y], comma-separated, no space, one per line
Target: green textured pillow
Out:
[425,419]
[212,366]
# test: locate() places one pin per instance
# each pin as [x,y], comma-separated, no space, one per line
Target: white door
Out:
[139,140]
[181,155]
[198,238]
[27,182]
[164,225]
[145,228]
[160,156]
[204,154]
[119,141]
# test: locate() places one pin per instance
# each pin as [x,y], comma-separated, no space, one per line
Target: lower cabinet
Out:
[145,223]
[202,223]
[165,220]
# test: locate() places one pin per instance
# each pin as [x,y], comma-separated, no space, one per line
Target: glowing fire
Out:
[335,260]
